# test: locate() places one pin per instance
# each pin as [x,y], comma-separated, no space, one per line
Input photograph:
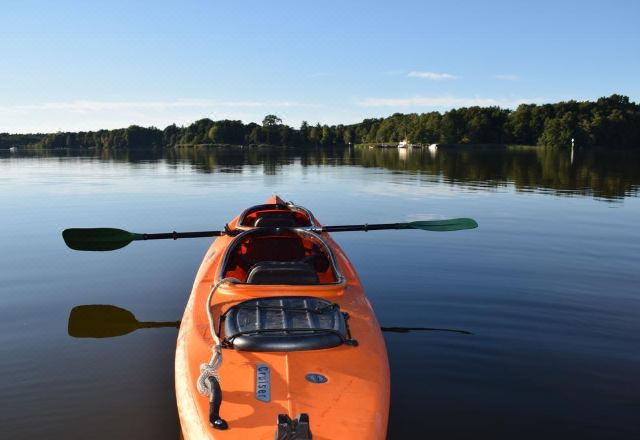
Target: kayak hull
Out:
[351,403]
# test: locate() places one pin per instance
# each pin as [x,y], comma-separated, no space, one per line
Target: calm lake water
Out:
[549,284]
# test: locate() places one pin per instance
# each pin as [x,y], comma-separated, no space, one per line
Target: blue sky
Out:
[70,65]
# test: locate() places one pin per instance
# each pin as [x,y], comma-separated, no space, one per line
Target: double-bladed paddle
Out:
[109,239]
[107,321]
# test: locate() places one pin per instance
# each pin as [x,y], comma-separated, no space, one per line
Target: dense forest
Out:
[612,122]
[19,140]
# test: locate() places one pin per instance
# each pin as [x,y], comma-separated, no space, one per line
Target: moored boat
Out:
[300,351]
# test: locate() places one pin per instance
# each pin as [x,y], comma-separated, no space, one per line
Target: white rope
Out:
[211,369]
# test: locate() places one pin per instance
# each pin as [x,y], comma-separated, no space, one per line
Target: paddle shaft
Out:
[176,235]
[365,227]
[176,324]
[342,228]
[429,329]
[151,324]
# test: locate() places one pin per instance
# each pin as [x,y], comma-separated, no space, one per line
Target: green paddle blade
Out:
[100,321]
[454,224]
[98,239]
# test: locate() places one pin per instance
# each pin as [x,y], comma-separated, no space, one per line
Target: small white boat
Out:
[13,149]
[433,147]
[404,144]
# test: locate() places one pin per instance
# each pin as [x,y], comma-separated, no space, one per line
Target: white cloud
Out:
[75,115]
[434,76]
[82,106]
[443,102]
[507,77]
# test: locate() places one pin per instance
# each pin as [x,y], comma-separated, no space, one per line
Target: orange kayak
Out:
[297,351]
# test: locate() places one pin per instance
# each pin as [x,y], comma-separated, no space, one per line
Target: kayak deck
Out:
[344,389]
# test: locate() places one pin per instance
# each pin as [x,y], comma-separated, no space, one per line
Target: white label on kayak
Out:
[263,383]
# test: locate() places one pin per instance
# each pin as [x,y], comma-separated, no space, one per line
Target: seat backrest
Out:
[275,249]
[282,272]
[275,220]
[282,324]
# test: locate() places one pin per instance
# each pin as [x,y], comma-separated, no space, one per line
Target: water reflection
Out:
[107,321]
[548,288]
[99,321]
[604,174]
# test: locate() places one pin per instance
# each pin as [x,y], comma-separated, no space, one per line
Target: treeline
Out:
[19,140]
[609,122]
[612,122]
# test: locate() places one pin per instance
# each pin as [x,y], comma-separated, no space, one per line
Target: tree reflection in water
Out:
[605,174]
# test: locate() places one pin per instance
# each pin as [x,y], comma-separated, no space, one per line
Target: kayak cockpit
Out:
[276,215]
[280,256]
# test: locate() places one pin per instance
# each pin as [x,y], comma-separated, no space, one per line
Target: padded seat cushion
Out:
[282,272]
[282,324]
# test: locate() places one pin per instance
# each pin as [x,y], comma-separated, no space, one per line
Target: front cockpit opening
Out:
[276,215]
[279,256]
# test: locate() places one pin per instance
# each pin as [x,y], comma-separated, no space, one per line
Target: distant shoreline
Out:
[305,148]
[609,122]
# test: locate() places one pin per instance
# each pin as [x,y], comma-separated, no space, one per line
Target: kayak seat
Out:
[276,220]
[275,249]
[281,324]
[288,246]
[282,272]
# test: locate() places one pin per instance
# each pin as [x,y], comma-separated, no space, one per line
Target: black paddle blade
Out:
[98,239]
[100,321]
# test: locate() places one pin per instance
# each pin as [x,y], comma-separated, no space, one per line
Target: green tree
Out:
[271,120]
[314,134]
[326,138]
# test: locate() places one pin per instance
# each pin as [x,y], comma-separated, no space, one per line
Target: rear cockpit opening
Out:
[276,215]
[279,256]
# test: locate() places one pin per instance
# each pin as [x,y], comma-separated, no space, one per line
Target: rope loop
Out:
[211,369]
